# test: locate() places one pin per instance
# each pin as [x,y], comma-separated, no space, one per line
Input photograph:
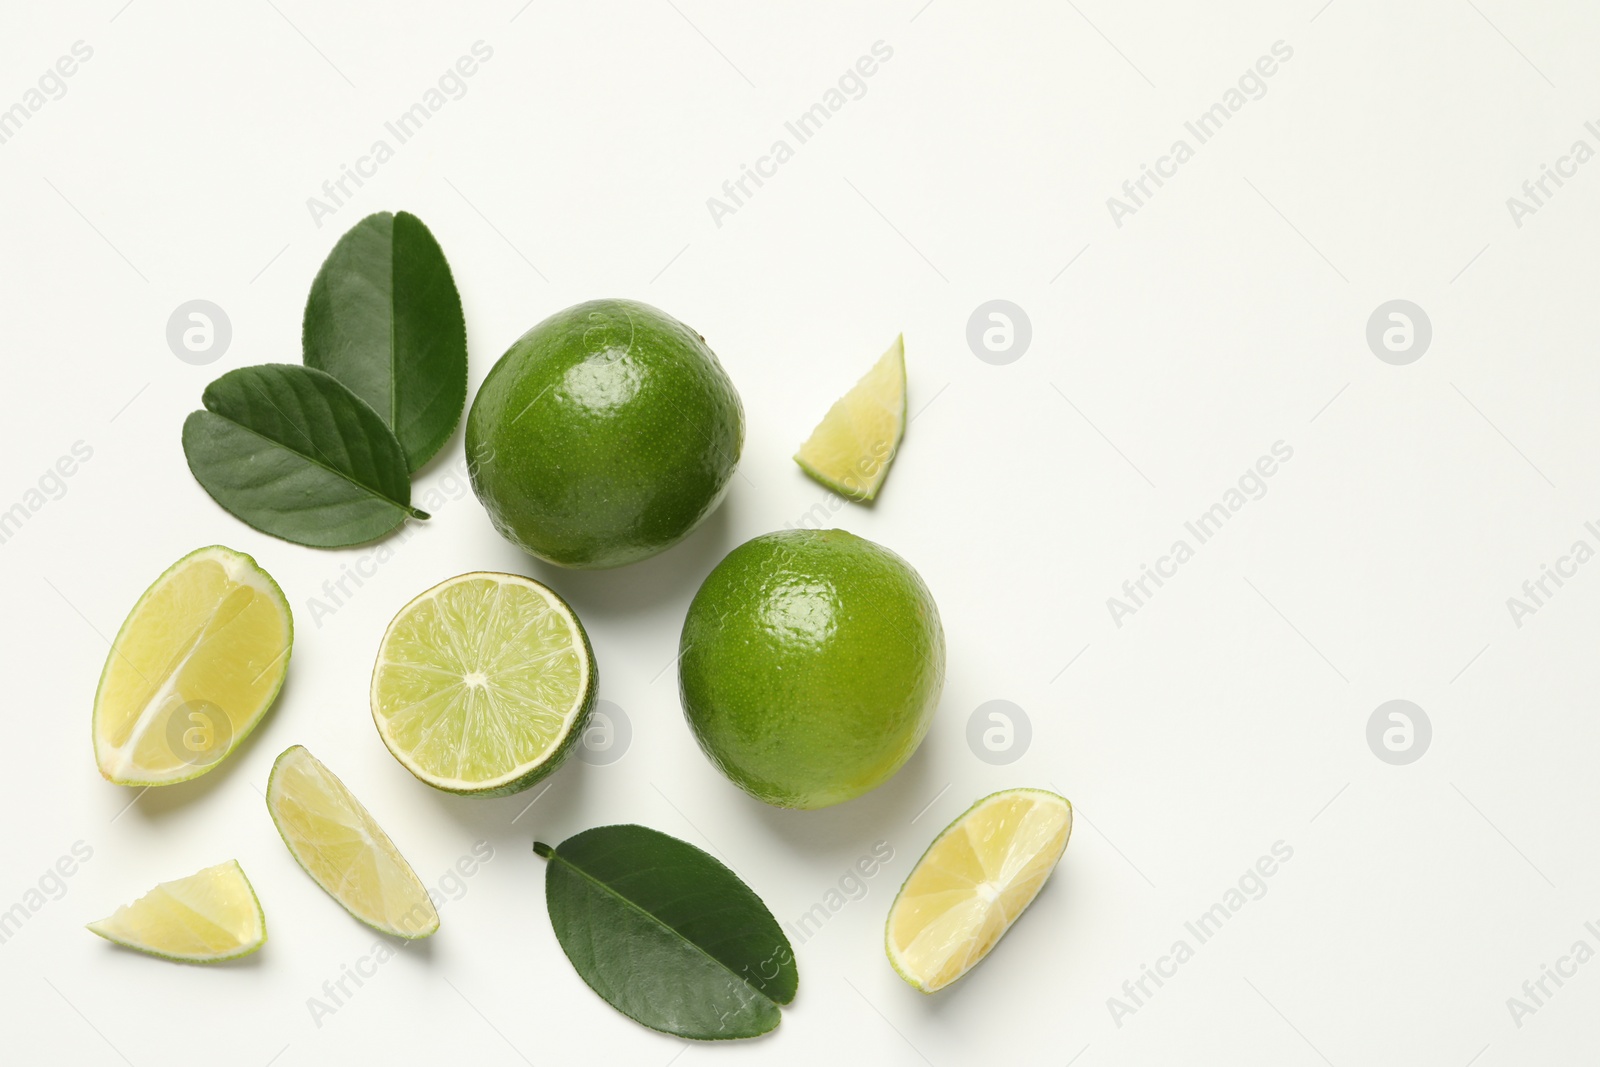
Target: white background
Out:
[1227,314]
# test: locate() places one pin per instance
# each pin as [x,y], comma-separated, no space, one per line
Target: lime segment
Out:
[972,884]
[210,916]
[483,683]
[851,449]
[344,850]
[196,665]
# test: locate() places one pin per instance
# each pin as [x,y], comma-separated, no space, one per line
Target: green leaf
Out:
[295,454]
[666,934]
[385,319]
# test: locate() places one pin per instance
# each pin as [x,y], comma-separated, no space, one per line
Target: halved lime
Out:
[972,884]
[344,850]
[210,916]
[851,449]
[483,683]
[196,665]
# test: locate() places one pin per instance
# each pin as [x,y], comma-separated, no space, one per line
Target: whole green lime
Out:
[604,435]
[810,666]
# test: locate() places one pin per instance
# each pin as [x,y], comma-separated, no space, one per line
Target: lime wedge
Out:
[344,850]
[196,665]
[483,683]
[210,916]
[851,449]
[972,884]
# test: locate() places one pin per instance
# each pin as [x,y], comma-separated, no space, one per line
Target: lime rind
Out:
[237,565]
[500,685]
[810,666]
[1005,921]
[604,435]
[113,928]
[852,447]
[373,843]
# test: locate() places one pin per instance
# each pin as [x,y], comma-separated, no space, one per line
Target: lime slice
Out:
[483,683]
[972,884]
[197,663]
[210,916]
[851,449]
[344,850]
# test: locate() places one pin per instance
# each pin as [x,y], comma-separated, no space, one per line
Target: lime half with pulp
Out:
[483,684]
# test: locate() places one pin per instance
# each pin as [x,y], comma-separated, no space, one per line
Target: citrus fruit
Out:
[210,916]
[341,846]
[197,663]
[810,666]
[604,435]
[851,449]
[483,683]
[972,884]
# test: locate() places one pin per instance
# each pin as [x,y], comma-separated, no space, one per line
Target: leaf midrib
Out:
[314,461]
[394,375]
[555,854]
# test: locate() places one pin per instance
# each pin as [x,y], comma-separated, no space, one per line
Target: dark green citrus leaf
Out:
[385,319]
[295,454]
[666,934]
